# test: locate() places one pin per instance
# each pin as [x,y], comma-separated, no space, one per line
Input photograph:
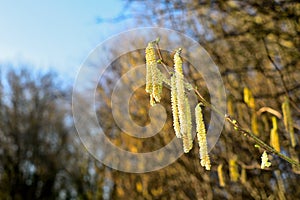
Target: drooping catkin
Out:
[174,103]
[274,138]
[150,62]
[189,144]
[254,123]
[233,170]
[181,99]
[246,95]
[157,84]
[248,98]
[265,161]
[221,176]
[230,109]
[201,135]
[154,79]
[243,175]
[250,101]
[288,120]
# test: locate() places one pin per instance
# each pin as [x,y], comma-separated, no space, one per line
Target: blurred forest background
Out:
[255,44]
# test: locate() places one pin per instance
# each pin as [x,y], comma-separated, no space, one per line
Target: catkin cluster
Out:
[181,111]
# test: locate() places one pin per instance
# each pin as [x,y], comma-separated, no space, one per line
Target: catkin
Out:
[288,121]
[230,109]
[175,108]
[233,170]
[274,138]
[221,176]
[201,135]
[157,84]
[181,99]
[248,98]
[246,95]
[254,124]
[243,175]
[150,63]
[154,78]
[265,161]
[189,144]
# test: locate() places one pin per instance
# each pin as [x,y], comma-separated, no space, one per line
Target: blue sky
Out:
[54,34]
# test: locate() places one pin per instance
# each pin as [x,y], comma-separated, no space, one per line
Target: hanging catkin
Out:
[189,144]
[174,103]
[201,135]
[274,138]
[154,78]
[233,170]
[221,175]
[181,104]
[288,120]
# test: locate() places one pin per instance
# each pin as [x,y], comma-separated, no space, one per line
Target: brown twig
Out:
[269,110]
[281,75]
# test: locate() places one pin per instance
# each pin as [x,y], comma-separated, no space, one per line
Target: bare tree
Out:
[256,47]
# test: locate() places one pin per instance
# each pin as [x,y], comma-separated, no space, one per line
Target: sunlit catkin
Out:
[150,63]
[230,109]
[288,120]
[157,84]
[201,135]
[154,79]
[175,108]
[254,123]
[265,161]
[181,98]
[233,170]
[243,175]
[248,98]
[274,138]
[221,175]
[247,95]
[189,144]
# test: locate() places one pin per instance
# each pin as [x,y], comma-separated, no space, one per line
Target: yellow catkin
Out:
[221,176]
[175,108]
[181,98]
[189,144]
[254,124]
[246,95]
[248,98]
[152,101]
[157,84]
[201,135]
[243,175]
[154,79]
[252,103]
[274,138]
[265,161]
[288,121]
[233,170]
[150,62]
[230,109]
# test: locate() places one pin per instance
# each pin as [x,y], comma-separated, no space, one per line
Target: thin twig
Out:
[281,75]
[161,59]
[269,110]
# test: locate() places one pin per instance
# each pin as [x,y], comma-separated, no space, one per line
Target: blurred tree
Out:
[256,46]
[41,158]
